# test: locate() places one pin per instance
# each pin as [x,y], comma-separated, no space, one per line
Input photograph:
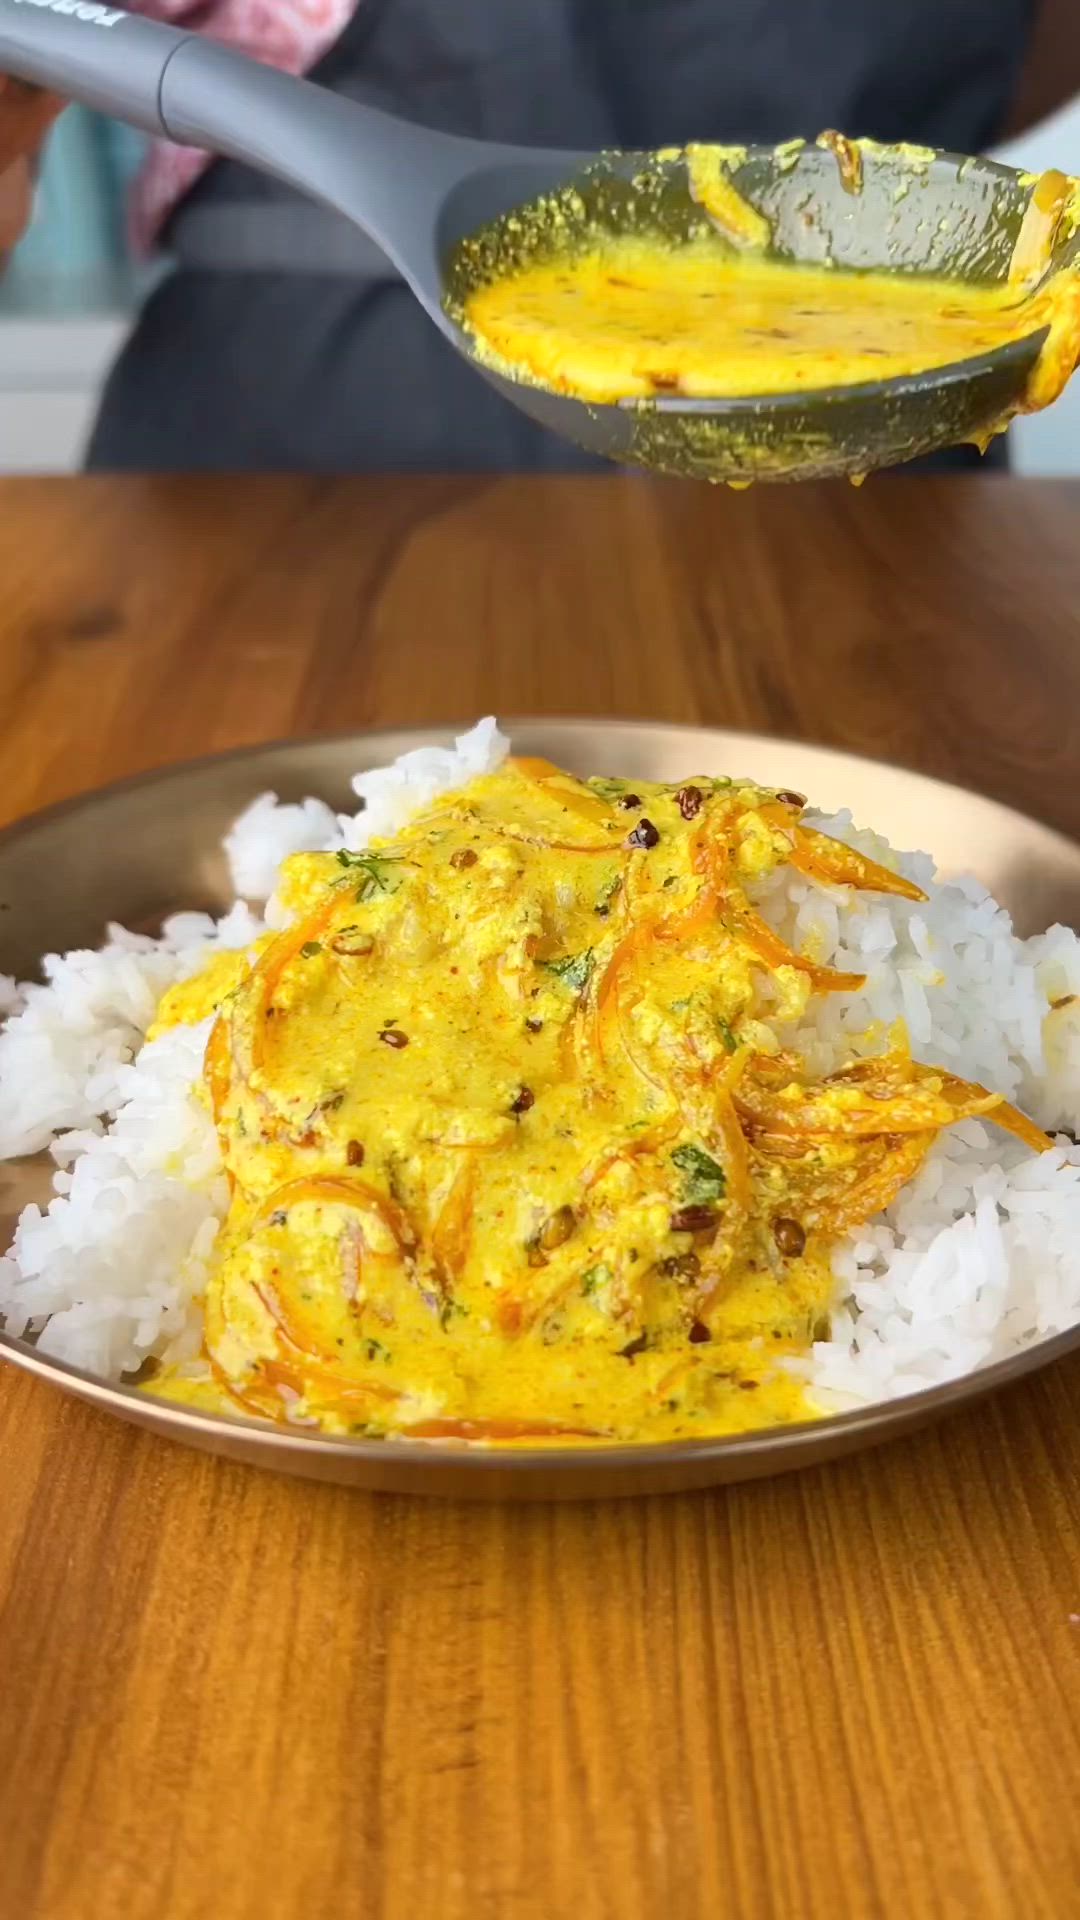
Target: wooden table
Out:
[854,1692]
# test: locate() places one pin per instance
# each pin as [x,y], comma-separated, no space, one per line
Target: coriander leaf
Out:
[595,1278]
[374,870]
[704,1181]
[727,1036]
[575,970]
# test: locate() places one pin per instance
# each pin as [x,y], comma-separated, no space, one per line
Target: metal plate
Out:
[149,846]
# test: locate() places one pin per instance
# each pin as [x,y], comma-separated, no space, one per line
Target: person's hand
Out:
[26,115]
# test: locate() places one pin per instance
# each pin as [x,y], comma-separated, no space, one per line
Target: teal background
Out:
[76,252]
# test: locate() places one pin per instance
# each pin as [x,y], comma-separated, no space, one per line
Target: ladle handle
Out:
[366,164]
[98,55]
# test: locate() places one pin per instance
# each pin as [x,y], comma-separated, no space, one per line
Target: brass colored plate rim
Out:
[734,1456]
[575,726]
[873,1422]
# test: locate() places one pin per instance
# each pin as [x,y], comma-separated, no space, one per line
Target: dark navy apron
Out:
[283,341]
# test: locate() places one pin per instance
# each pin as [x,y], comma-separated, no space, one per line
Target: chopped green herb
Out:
[575,970]
[607,894]
[703,1180]
[727,1036]
[375,1350]
[608,789]
[447,1311]
[373,866]
[310,948]
[595,1278]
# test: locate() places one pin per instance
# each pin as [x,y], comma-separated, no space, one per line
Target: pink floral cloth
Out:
[290,34]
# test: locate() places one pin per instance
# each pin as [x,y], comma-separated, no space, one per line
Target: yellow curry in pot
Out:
[517,1150]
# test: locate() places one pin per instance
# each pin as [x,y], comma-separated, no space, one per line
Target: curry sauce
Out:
[516,1146]
[604,315]
[632,317]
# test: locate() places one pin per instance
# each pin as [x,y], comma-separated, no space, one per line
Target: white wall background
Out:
[52,368]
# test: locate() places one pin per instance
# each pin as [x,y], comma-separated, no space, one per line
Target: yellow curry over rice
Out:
[517,1150]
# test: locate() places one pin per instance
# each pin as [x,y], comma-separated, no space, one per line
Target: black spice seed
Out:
[464,857]
[789,799]
[749,1386]
[689,800]
[630,801]
[354,1154]
[391,1037]
[534,1026]
[699,1334]
[644,835]
[526,1099]
[681,1266]
[790,1237]
[693,1219]
[279,1218]
[635,1346]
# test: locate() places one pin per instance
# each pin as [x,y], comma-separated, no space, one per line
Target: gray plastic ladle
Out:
[418,194]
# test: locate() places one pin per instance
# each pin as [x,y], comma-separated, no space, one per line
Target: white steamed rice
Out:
[978,1257]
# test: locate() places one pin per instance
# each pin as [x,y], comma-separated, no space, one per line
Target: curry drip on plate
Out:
[515,1145]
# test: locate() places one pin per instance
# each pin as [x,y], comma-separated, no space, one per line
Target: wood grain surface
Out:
[851,1693]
